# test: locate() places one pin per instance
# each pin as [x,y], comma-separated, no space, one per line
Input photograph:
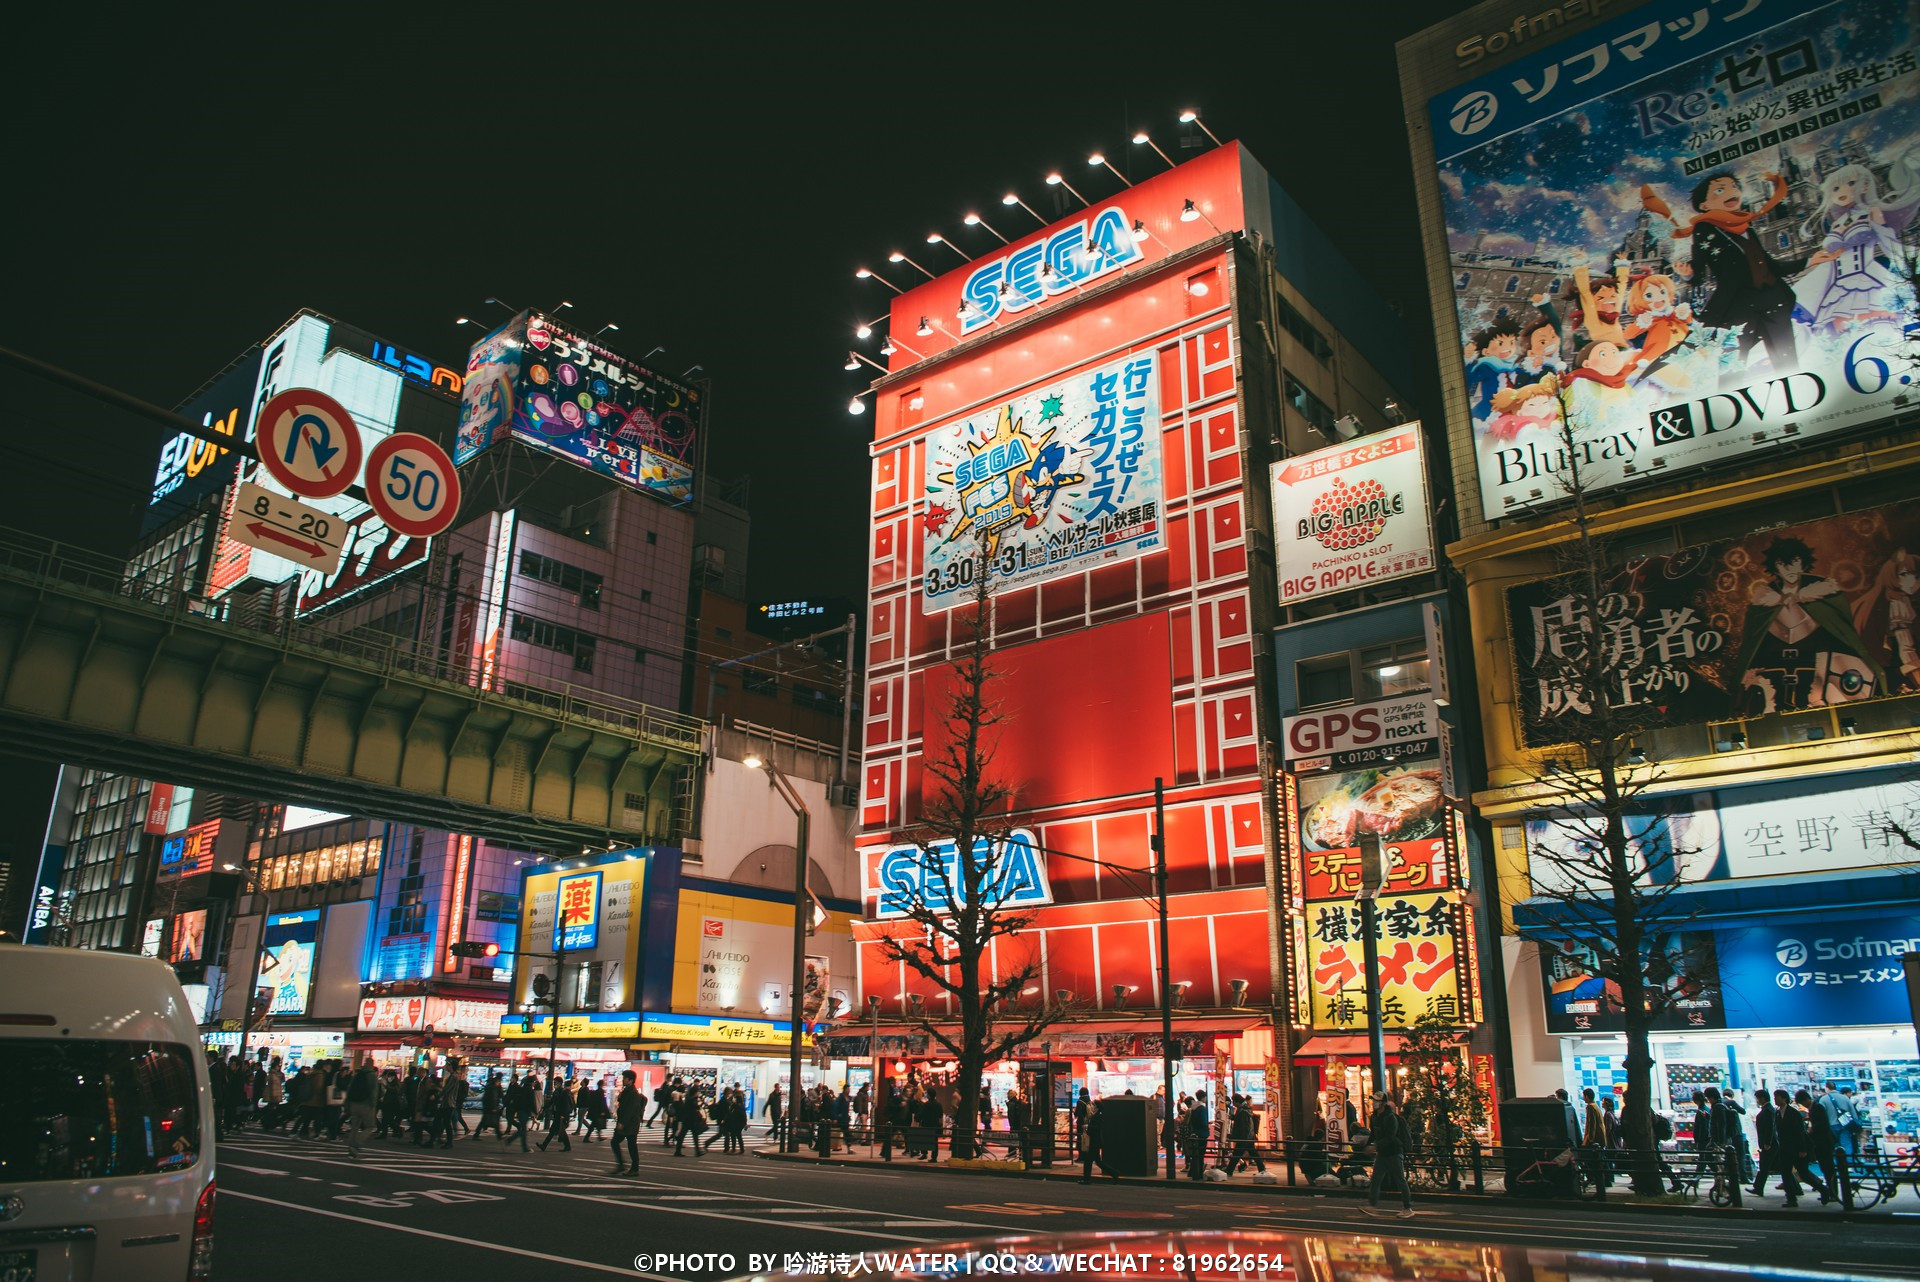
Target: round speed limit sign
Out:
[412,485]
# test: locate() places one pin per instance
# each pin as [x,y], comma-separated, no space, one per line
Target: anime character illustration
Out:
[1600,300]
[1495,367]
[1884,617]
[1517,409]
[1654,321]
[1036,487]
[1601,381]
[1540,347]
[1799,647]
[1863,237]
[1747,287]
[486,408]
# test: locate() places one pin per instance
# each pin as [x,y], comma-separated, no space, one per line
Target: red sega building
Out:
[1103,398]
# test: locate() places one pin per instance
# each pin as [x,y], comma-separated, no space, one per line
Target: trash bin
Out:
[1537,1130]
[1129,1135]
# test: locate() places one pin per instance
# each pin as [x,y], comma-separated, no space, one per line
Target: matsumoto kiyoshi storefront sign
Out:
[1351,514]
[1805,616]
[1686,223]
[1058,481]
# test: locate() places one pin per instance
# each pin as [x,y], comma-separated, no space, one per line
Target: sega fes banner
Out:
[1060,480]
[1686,225]
[1351,514]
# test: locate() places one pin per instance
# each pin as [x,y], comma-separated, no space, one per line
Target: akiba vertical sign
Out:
[1686,225]
[1351,515]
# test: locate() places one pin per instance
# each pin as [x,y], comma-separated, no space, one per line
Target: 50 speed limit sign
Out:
[412,485]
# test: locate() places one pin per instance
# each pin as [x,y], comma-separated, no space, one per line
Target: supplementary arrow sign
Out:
[261,530]
[323,451]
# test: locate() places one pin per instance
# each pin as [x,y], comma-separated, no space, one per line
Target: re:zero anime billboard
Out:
[1690,225]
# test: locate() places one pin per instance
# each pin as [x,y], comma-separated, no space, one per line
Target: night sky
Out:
[179,185]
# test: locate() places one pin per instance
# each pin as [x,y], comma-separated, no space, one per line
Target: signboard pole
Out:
[1166,991]
[559,974]
[1374,874]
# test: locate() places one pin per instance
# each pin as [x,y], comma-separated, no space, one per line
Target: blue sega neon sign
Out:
[913,877]
[1077,253]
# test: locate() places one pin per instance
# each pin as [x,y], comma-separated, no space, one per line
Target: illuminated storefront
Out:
[1746,472]
[1102,401]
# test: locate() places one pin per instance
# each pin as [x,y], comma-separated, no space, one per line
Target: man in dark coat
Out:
[629,1110]
[1090,1148]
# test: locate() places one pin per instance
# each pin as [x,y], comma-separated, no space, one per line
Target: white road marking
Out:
[624,1270]
[257,1170]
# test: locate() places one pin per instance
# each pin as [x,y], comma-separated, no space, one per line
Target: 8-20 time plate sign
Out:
[1062,479]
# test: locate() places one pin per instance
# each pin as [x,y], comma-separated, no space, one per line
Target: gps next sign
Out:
[1363,734]
[915,877]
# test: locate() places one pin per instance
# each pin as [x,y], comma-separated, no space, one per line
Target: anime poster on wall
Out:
[1690,227]
[1805,616]
[1058,481]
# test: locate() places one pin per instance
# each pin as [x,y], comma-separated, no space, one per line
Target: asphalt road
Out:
[482,1211]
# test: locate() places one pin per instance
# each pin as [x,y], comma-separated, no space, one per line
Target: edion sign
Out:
[1076,253]
[1356,728]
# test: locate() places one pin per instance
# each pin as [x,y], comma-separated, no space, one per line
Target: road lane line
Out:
[625,1270]
[931,1224]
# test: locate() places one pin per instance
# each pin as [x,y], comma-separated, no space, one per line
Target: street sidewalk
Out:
[1068,1171]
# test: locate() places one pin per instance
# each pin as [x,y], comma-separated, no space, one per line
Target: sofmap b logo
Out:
[1474,113]
[1790,952]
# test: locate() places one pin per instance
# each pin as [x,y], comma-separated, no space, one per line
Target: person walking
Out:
[276,1096]
[692,1122]
[629,1110]
[362,1093]
[1090,1153]
[306,1110]
[519,1103]
[334,1100]
[1821,1142]
[1019,1116]
[1245,1131]
[771,1109]
[592,1105]
[490,1097]
[1196,1130]
[1790,1141]
[1593,1139]
[1765,1122]
[1391,1140]
[663,1101]
[677,1093]
[559,1116]
[927,1117]
[896,1116]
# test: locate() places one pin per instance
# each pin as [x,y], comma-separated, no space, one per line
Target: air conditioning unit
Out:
[843,794]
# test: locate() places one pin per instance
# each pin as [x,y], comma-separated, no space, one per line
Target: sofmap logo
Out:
[1790,952]
[1078,253]
[1473,113]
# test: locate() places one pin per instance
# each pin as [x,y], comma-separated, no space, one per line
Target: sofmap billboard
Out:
[1806,616]
[1058,481]
[1834,970]
[1351,514]
[562,393]
[1687,224]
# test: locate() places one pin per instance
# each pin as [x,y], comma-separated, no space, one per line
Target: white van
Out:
[106,1121]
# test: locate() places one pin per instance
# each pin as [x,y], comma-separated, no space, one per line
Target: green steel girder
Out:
[92,677]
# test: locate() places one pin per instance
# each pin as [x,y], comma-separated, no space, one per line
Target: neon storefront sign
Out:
[1080,252]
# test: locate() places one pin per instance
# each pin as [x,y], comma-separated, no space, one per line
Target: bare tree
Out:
[961,901]
[1610,863]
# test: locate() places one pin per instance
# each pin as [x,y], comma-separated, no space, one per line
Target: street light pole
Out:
[802,904]
[1373,875]
[559,974]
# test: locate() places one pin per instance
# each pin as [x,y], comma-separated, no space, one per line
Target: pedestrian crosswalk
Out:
[722,1187]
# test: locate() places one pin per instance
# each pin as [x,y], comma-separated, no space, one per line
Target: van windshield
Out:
[91,1109]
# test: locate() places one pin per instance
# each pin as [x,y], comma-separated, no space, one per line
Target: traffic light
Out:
[474,948]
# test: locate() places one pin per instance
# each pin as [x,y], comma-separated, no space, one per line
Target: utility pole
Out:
[1373,875]
[1166,988]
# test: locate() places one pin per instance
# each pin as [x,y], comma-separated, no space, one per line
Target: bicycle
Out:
[1554,1176]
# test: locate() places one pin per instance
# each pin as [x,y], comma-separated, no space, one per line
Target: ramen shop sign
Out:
[1363,734]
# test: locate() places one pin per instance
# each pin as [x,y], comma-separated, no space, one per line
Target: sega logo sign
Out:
[1078,253]
[1366,725]
[914,877]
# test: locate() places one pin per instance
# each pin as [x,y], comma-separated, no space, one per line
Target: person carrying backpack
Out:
[1391,1140]
[363,1093]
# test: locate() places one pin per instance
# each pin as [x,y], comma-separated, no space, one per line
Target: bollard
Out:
[1292,1149]
[1844,1178]
[1736,1175]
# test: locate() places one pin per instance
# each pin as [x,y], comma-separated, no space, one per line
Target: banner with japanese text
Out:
[1794,618]
[1685,229]
[1060,480]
